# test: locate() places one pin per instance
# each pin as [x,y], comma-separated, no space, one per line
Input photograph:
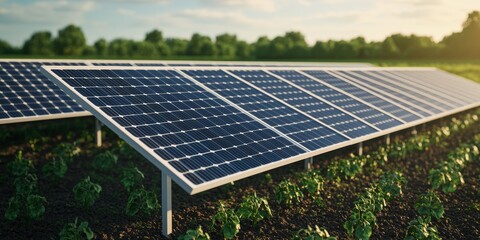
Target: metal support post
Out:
[360,148]
[166,204]
[387,139]
[98,133]
[308,163]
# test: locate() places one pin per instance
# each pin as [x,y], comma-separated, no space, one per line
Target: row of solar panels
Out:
[27,95]
[207,126]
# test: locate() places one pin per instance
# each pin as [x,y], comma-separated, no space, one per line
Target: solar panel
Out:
[111,64]
[445,84]
[297,126]
[319,109]
[205,127]
[368,114]
[362,93]
[27,95]
[402,99]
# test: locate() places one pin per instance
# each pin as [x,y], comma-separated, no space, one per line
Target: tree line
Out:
[71,41]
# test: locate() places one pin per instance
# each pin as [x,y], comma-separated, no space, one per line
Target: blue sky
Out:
[249,19]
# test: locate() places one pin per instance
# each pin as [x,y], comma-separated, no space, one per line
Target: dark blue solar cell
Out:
[422,100]
[297,126]
[184,124]
[406,101]
[341,100]
[364,95]
[31,93]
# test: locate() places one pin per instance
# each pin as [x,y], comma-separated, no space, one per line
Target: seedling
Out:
[195,234]
[131,177]
[73,232]
[228,220]
[429,205]
[419,229]
[104,161]
[20,166]
[55,169]
[254,208]
[142,200]
[313,234]
[86,192]
[288,193]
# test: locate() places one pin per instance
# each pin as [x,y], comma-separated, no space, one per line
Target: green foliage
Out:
[419,229]
[70,41]
[20,166]
[40,43]
[67,151]
[312,183]
[131,178]
[373,200]
[313,234]
[141,200]
[104,161]
[228,221]
[72,231]
[195,234]
[86,192]
[25,202]
[254,208]
[123,149]
[429,205]
[55,169]
[346,168]
[288,193]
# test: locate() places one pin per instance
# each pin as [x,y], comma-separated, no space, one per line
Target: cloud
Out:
[256,5]
[45,12]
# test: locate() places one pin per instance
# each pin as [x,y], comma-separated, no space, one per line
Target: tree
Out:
[6,48]
[177,46]
[343,50]
[120,47]
[226,45]
[200,46]
[320,50]
[243,50]
[465,43]
[143,49]
[389,49]
[40,43]
[70,41]
[101,47]
[262,47]
[155,36]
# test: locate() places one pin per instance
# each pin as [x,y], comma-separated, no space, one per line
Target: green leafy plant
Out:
[20,166]
[347,168]
[287,192]
[312,183]
[25,202]
[75,231]
[419,229]
[123,149]
[360,224]
[391,184]
[447,177]
[429,205]
[195,234]
[55,169]
[228,221]
[86,192]
[310,233]
[131,178]
[67,151]
[254,208]
[104,161]
[142,200]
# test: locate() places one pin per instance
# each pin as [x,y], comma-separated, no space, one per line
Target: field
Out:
[377,194]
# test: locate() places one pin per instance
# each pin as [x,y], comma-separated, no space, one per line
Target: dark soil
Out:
[108,220]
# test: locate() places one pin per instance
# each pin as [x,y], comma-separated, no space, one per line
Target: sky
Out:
[248,19]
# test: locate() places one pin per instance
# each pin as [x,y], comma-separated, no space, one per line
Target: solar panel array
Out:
[27,95]
[207,126]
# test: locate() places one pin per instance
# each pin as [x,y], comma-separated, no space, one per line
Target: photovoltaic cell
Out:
[407,101]
[427,103]
[111,64]
[315,107]
[357,108]
[26,92]
[302,129]
[199,135]
[368,97]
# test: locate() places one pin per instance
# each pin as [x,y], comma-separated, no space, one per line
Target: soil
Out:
[108,220]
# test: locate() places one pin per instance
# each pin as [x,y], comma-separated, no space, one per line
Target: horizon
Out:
[317,20]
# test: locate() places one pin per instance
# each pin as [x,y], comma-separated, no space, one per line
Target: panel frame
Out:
[175,175]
